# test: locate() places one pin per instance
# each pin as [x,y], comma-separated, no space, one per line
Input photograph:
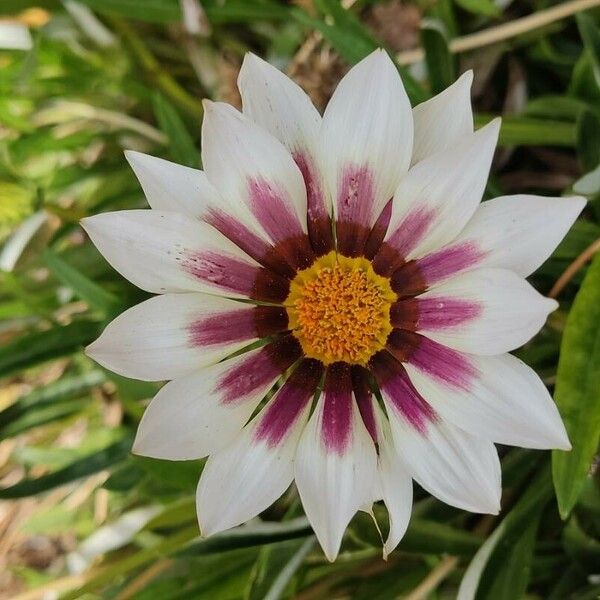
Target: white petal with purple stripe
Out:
[248,475]
[498,398]
[254,170]
[164,252]
[440,194]
[201,413]
[171,335]
[336,465]
[366,138]
[486,311]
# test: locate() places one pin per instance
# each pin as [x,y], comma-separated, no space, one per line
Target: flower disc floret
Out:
[339,309]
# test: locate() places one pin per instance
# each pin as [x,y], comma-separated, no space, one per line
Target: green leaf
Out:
[431,537]
[245,537]
[181,144]
[577,392]
[501,568]
[180,475]
[68,387]
[580,236]
[591,40]
[35,348]
[42,415]
[154,11]
[169,11]
[82,286]
[486,8]
[352,44]
[588,136]
[275,567]
[98,461]
[582,547]
[439,60]
[520,131]
[555,107]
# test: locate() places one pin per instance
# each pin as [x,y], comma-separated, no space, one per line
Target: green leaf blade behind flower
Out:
[32,349]
[577,391]
[181,144]
[88,290]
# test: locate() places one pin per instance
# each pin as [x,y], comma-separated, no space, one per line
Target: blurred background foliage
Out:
[80,517]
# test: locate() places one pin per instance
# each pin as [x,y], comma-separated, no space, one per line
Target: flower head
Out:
[384,295]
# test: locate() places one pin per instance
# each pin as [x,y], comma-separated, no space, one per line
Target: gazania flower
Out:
[386,326]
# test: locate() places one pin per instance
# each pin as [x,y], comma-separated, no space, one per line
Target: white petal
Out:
[368,122]
[199,414]
[444,120]
[237,153]
[246,477]
[510,313]
[278,105]
[442,192]
[396,485]
[149,248]
[172,187]
[520,232]
[460,469]
[153,340]
[334,486]
[505,402]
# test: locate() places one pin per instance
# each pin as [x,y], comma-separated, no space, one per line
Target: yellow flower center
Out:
[339,309]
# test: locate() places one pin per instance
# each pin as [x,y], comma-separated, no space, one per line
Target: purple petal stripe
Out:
[278,417]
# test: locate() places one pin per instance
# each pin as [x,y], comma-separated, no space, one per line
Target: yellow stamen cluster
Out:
[339,309]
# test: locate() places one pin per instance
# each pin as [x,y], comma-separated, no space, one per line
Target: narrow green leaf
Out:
[168,11]
[577,392]
[431,537]
[520,131]
[582,547]
[507,566]
[580,236]
[591,40]
[35,348]
[85,288]
[181,144]
[511,578]
[68,387]
[555,107]
[102,459]
[42,415]
[275,568]
[352,44]
[439,60]
[486,8]
[153,11]
[588,140]
[245,537]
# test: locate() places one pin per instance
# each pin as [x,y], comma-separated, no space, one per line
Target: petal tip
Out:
[468,76]
[578,203]
[551,304]
[91,350]
[561,439]
[138,445]
[565,446]
[208,105]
